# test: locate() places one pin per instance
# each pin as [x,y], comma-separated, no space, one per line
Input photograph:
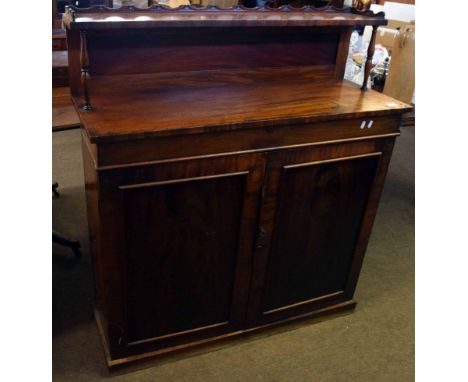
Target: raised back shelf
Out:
[130,61]
[160,16]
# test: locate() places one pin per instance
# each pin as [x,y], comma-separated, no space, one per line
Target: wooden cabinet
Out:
[231,181]
[202,248]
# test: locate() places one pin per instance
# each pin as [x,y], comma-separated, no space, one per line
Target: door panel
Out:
[316,214]
[182,247]
[320,209]
[181,235]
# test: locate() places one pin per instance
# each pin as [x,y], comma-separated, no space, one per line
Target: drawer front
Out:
[268,138]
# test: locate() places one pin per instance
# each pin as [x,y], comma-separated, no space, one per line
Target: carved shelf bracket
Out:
[370,55]
[84,62]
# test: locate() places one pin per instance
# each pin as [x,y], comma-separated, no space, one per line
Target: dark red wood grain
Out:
[320,208]
[172,228]
[166,51]
[232,177]
[158,16]
[221,101]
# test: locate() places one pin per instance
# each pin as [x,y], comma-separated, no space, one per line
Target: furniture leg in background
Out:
[58,238]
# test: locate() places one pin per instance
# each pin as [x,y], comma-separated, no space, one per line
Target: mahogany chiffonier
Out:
[232,176]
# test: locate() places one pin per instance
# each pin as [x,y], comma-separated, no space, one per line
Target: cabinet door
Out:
[316,216]
[182,233]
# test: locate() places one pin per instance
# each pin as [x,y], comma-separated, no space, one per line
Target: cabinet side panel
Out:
[319,215]
[92,203]
[181,254]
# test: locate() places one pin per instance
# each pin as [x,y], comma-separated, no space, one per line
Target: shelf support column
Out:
[84,62]
[370,55]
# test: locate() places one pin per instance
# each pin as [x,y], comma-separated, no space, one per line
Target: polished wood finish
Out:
[223,101]
[194,299]
[308,216]
[242,48]
[158,16]
[137,152]
[200,227]
[318,217]
[231,181]
[342,53]
[84,62]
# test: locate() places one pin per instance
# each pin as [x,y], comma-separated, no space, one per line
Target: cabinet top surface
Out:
[142,106]
[159,16]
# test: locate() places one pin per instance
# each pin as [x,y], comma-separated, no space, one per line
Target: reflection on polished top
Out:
[142,106]
[134,77]
[100,17]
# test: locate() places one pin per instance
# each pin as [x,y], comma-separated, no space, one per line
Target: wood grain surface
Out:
[232,177]
[195,17]
[169,51]
[143,106]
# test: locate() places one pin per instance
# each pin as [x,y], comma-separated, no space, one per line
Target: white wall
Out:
[396,11]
